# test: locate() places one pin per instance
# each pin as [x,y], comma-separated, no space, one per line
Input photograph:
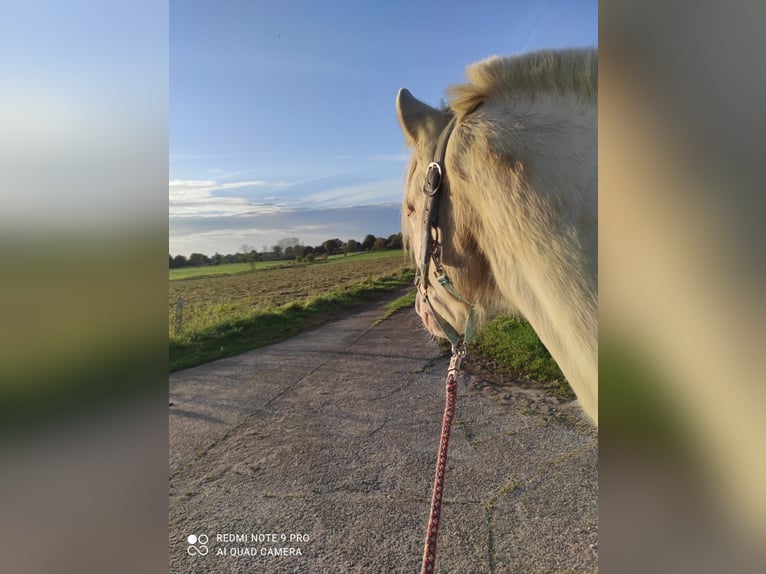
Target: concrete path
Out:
[317,455]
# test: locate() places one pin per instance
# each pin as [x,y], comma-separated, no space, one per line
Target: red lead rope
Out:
[429,553]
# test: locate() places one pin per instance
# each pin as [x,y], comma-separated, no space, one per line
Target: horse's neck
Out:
[539,233]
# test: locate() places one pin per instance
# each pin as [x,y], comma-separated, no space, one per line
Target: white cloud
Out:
[208,215]
[379,191]
[207,198]
[180,187]
[195,198]
[226,233]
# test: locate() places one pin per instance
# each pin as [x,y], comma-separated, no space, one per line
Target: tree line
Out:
[290,248]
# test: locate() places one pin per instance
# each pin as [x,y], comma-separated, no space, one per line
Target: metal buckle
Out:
[458,354]
[433,179]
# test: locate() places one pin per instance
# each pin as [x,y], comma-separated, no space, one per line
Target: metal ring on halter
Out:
[433,179]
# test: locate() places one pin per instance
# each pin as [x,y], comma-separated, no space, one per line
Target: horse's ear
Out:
[418,121]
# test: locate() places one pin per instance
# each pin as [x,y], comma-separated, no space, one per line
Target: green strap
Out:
[444,282]
[449,331]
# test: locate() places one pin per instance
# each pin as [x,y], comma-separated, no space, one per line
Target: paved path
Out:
[330,439]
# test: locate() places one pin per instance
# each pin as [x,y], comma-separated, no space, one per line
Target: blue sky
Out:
[282,114]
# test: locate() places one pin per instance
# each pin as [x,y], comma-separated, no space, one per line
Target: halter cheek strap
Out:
[431,249]
[431,246]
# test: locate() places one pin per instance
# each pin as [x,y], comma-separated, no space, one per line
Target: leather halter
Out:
[430,247]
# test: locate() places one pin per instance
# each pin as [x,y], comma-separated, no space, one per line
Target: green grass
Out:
[236,268]
[223,269]
[197,304]
[406,301]
[508,344]
[230,309]
[369,255]
[515,350]
[242,332]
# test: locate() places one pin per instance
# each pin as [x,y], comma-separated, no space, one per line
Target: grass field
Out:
[220,311]
[214,316]
[209,299]
[235,268]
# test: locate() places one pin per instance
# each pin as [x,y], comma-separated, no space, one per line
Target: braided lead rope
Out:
[429,552]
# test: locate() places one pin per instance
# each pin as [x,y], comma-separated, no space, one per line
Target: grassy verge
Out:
[507,345]
[406,301]
[265,327]
[510,347]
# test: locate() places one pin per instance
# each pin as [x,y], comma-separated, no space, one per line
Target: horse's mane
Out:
[559,71]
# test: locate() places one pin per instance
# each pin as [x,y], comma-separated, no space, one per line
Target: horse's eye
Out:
[410,209]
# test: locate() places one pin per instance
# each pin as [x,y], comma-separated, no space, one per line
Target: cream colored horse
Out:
[518,217]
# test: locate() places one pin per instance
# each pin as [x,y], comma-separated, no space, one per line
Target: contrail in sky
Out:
[540,23]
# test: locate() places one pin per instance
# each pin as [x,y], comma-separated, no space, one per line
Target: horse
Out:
[507,220]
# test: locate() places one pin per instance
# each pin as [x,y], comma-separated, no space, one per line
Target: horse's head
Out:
[461,262]
[514,223]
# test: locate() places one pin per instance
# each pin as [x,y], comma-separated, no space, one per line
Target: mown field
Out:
[213,316]
[234,268]
[208,299]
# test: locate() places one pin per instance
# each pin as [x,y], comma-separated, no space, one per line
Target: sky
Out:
[282,113]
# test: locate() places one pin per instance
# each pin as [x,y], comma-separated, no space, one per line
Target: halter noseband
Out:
[430,247]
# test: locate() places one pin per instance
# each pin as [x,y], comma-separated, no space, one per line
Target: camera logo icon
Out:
[197,544]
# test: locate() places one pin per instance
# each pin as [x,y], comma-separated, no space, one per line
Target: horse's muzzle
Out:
[431,325]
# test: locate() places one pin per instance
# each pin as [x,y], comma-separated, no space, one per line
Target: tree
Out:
[248,255]
[351,246]
[198,259]
[380,244]
[368,242]
[217,259]
[277,249]
[292,242]
[394,241]
[332,245]
[180,261]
